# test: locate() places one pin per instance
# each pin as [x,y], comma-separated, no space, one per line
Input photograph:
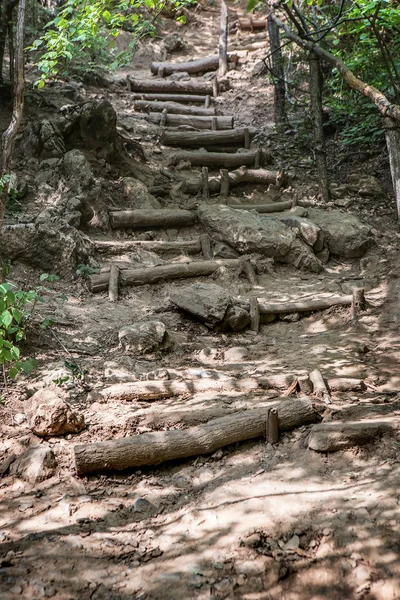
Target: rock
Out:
[323,256]
[78,171]
[36,464]
[137,195]
[49,414]
[367,185]
[143,506]
[302,257]
[142,337]
[224,251]
[236,354]
[98,125]
[19,418]
[120,369]
[251,568]
[345,234]
[173,43]
[208,355]
[292,544]
[309,231]
[237,318]
[47,140]
[290,317]
[252,541]
[206,301]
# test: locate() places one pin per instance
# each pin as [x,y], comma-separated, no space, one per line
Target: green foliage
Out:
[16,307]
[83,32]
[85,270]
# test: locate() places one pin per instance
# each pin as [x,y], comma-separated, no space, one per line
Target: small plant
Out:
[85,270]
[49,277]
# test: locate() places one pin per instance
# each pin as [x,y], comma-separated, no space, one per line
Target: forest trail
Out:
[253,520]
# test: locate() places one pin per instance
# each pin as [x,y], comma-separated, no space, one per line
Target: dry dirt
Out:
[252,521]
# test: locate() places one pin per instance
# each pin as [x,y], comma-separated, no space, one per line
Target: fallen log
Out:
[220,159]
[251,47]
[173,108]
[265,208]
[141,218]
[319,386]
[251,23]
[346,384]
[198,122]
[242,175]
[205,139]
[150,275]
[160,446]
[308,305]
[111,247]
[198,65]
[338,435]
[170,86]
[184,98]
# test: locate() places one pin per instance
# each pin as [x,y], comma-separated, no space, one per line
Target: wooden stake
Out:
[204,181]
[207,102]
[214,124]
[223,41]
[258,158]
[272,426]
[215,87]
[206,246]
[246,138]
[358,302]
[224,174]
[319,386]
[161,72]
[113,283]
[248,270]
[254,315]
[163,119]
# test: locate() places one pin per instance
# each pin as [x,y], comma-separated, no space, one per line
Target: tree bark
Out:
[113,283]
[160,446]
[252,23]
[316,85]
[223,41]
[335,435]
[277,72]
[170,86]
[220,159]
[198,122]
[142,218]
[392,133]
[320,389]
[162,273]
[205,139]
[7,139]
[163,97]
[5,18]
[185,246]
[173,108]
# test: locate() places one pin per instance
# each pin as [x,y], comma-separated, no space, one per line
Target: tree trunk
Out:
[5,17]
[223,41]
[193,121]
[8,136]
[316,84]
[277,72]
[392,133]
[160,446]
[220,159]
[173,108]
[205,139]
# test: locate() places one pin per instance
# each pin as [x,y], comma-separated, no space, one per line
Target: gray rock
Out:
[224,251]
[49,414]
[137,195]
[208,356]
[237,318]
[345,234]
[302,257]
[98,125]
[236,354]
[309,231]
[142,337]
[78,171]
[206,301]
[47,140]
[36,464]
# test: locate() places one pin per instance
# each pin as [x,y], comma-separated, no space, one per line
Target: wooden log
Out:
[173,108]
[254,315]
[246,138]
[163,118]
[204,182]
[251,47]
[214,124]
[205,139]
[198,65]
[243,175]
[118,247]
[206,246]
[161,446]
[183,98]
[161,72]
[308,305]
[224,179]
[219,159]
[150,275]
[336,435]
[142,218]
[252,23]
[113,283]
[265,208]
[223,41]
[346,384]
[320,389]
[273,426]
[215,87]
[247,269]
[170,86]
[358,302]
[198,122]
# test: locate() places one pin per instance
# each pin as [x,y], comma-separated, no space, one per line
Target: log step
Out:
[170,86]
[206,139]
[201,122]
[173,108]
[143,218]
[241,175]
[119,247]
[184,98]
[199,65]
[221,159]
[338,435]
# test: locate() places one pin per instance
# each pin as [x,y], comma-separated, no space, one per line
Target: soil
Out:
[252,521]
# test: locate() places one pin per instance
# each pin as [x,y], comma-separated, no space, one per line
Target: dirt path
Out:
[252,521]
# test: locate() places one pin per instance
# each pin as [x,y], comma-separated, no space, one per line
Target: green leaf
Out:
[6,318]
[29,365]
[251,4]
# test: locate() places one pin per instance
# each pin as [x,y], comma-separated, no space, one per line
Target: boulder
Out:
[143,337]
[49,414]
[47,140]
[78,171]
[309,231]
[137,195]
[345,234]
[36,464]
[237,318]
[98,124]
[206,301]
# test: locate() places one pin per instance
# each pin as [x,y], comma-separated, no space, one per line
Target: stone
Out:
[302,257]
[292,544]
[206,301]
[208,355]
[346,235]
[143,506]
[137,195]
[98,125]
[143,337]
[78,171]
[309,231]
[251,568]
[224,251]
[323,256]
[47,140]
[367,185]
[49,414]
[237,318]
[236,354]
[36,464]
